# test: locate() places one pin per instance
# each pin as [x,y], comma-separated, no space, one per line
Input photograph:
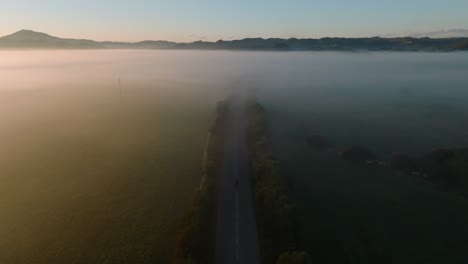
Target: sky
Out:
[209,20]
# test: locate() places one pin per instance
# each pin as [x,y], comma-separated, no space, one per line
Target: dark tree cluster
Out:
[446,167]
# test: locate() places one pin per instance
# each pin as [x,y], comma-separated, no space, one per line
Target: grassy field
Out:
[352,213]
[88,177]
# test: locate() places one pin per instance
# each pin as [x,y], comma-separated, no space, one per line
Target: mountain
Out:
[446,33]
[27,39]
[32,39]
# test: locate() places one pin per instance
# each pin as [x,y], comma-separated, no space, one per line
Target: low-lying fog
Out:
[93,171]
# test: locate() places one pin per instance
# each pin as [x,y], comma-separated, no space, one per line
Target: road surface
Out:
[236,231]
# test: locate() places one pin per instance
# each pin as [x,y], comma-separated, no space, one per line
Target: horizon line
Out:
[237,39]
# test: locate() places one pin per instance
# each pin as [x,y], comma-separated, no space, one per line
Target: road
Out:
[236,230]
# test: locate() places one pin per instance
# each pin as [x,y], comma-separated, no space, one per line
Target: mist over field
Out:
[101,150]
[92,172]
[234,132]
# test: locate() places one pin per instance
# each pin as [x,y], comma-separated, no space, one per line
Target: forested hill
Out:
[27,39]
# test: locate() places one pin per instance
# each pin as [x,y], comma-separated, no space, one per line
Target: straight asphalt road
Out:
[236,230]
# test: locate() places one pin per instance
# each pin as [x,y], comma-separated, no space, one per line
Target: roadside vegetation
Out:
[275,209]
[195,239]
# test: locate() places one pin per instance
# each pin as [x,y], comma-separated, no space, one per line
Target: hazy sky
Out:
[189,20]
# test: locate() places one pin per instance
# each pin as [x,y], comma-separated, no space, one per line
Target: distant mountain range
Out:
[27,39]
[445,33]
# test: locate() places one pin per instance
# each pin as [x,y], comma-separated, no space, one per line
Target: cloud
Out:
[445,33]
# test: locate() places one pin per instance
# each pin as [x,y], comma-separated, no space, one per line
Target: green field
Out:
[353,213]
[92,174]
[89,177]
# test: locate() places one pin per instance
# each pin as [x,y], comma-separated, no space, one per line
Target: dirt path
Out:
[236,230]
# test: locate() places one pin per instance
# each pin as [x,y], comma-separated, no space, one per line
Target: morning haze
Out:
[131,133]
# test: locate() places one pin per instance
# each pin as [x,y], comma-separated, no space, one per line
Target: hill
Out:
[31,39]
[27,39]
